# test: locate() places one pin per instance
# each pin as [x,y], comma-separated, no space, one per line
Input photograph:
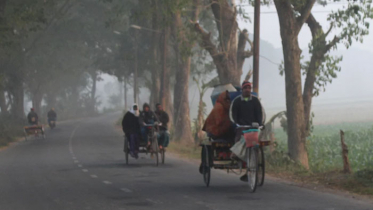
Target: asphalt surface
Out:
[81,166]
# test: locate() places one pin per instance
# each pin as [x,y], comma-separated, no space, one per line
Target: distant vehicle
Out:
[34,130]
[154,149]
[52,123]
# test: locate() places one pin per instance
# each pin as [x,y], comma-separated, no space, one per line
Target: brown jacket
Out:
[218,122]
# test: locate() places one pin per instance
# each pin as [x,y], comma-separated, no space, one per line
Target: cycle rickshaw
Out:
[216,153]
[36,130]
[154,149]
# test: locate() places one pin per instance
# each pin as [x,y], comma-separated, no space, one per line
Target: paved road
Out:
[81,166]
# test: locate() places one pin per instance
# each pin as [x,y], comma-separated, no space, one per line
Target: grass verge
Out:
[279,165]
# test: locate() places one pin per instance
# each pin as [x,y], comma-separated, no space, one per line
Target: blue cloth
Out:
[163,138]
[144,134]
[134,143]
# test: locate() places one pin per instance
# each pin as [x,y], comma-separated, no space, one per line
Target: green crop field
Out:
[324,146]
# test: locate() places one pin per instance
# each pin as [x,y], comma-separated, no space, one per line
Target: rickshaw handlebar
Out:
[250,126]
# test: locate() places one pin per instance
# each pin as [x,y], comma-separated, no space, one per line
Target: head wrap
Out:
[246,83]
[135,112]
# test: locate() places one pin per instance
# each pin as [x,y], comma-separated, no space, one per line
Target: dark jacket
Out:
[32,118]
[130,124]
[246,112]
[163,118]
[147,117]
[52,114]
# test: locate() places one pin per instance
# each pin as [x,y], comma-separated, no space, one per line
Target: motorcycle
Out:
[52,123]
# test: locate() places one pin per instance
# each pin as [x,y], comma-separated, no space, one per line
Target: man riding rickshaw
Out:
[234,110]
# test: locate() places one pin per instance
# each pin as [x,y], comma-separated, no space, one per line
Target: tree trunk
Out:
[3,105]
[183,130]
[156,80]
[125,94]
[318,53]
[294,99]
[165,96]
[308,92]
[36,102]
[93,91]
[18,109]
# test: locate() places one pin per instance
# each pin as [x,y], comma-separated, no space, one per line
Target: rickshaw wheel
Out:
[162,155]
[261,166]
[155,150]
[206,166]
[252,167]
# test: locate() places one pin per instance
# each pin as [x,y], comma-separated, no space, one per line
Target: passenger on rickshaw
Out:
[32,117]
[147,116]
[218,124]
[131,128]
[164,137]
[246,110]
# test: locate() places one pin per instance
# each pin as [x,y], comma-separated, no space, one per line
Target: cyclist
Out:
[147,116]
[163,117]
[246,110]
[32,117]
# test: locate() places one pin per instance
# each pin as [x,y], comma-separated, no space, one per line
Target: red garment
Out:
[218,122]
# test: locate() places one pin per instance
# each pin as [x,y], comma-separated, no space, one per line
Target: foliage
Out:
[324,146]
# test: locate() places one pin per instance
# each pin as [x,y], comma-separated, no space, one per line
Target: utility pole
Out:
[256,46]
[165,73]
[125,93]
[135,98]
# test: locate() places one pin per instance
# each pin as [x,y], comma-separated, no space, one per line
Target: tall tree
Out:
[183,48]
[320,69]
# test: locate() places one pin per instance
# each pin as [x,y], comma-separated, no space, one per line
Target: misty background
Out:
[349,98]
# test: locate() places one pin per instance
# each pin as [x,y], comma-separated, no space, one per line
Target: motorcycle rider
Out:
[52,116]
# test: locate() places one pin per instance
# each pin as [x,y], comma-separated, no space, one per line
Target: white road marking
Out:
[153,201]
[75,161]
[107,182]
[74,158]
[80,166]
[94,176]
[71,140]
[126,190]
[85,170]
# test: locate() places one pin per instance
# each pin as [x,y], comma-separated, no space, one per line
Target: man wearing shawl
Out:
[131,128]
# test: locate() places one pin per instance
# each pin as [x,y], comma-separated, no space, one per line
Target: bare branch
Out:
[332,43]
[314,26]
[206,41]
[305,13]
[247,54]
[329,30]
